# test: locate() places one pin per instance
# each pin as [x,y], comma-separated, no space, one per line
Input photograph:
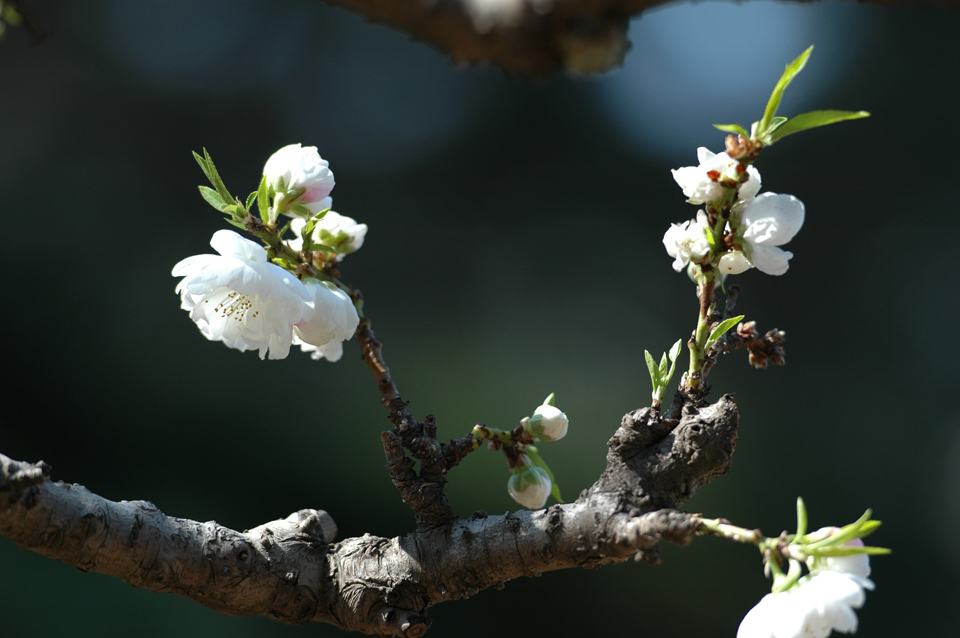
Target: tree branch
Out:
[525,37]
[291,569]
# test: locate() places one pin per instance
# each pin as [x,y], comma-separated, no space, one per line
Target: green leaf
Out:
[252,196]
[675,350]
[814,119]
[212,197]
[732,128]
[775,123]
[720,330]
[206,163]
[652,369]
[234,222]
[324,248]
[789,72]
[263,199]
[663,365]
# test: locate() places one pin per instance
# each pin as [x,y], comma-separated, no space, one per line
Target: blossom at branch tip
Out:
[530,485]
[766,223]
[338,231]
[240,298]
[331,319]
[296,167]
[687,241]
[820,603]
[705,183]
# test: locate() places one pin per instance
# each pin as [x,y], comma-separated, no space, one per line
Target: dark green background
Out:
[514,249]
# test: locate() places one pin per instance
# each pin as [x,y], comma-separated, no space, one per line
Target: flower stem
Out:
[723,528]
[697,344]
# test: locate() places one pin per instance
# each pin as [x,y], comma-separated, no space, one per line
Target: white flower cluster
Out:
[759,224]
[820,603]
[242,299]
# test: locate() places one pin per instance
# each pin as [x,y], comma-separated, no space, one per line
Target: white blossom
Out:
[240,298]
[734,262]
[767,222]
[702,184]
[687,241]
[548,423]
[294,167]
[335,230]
[330,319]
[820,603]
[530,486]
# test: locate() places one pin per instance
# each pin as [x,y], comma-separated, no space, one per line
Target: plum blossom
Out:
[820,603]
[293,168]
[530,485]
[331,319]
[687,241]
[703,184]
[766,223]
[335,230]
[240,298]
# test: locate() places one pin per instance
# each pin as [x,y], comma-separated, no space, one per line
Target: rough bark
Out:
[525,37]
[294,571]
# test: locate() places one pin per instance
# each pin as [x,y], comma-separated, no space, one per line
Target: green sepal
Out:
[550,399]
[720,330]
[212,197]
[732,128]
[283,263]
[789,72]
[813,119]
[300,209]
[539,462]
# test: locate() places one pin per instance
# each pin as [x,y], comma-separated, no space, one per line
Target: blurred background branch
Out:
[525,37]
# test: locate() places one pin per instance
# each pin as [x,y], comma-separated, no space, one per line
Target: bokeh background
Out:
[514,250]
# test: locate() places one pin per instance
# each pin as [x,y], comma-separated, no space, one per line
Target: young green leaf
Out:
[720,330]
[675,350]
[652,369]
[252,196]
[263,199]
[212,197]
[206,163]
[663,365]
[813,119]
[732,128]
[789,72]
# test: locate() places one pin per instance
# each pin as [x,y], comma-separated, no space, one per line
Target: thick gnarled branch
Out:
[291,569]
[525,37]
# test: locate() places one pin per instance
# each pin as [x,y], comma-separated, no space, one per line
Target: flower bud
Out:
[300,177]
[547,423]
[529,485]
